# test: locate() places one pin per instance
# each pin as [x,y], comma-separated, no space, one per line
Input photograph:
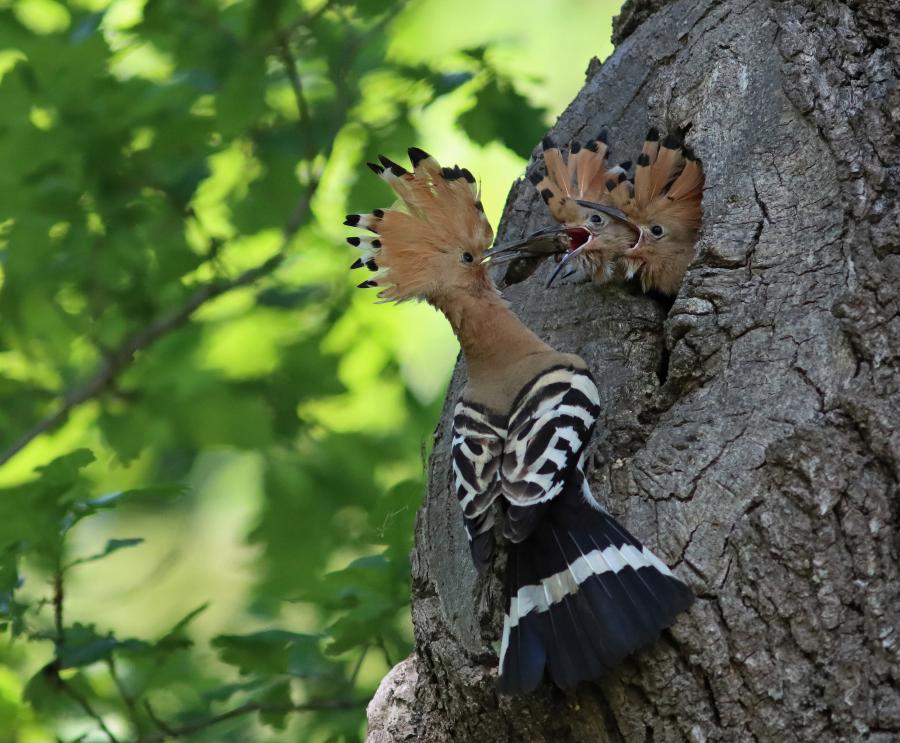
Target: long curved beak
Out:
[622,217]
[610,210]
[544,242]
[562,264]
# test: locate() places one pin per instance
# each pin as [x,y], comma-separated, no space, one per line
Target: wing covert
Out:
[476,452]
[549,428]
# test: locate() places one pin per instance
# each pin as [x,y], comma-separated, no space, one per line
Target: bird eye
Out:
[467,257]
[657,230]
[596,219]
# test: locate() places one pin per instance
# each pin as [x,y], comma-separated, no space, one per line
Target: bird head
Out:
[666,209]
[578,190]
[433,242]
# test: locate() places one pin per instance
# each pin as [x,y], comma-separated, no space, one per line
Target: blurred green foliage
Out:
[211,448]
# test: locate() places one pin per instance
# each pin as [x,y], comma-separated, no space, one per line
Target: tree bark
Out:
[750,430]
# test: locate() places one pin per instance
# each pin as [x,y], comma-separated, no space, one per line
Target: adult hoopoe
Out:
[662,209]
[594,235]
[583,593]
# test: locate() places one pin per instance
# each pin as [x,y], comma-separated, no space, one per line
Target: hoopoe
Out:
[583,593]
[665,205]
[593,235]
[661,208]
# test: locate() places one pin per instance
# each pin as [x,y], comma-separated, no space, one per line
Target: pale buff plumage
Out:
[431,246]
[665,205]
[659,214]
[596,239]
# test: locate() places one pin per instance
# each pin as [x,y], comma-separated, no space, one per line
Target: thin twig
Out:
[312,17]
[384,650]
[58,598]
[127,698]
[188,728]
[358,666]
[86,706]
[160,723]
[290,67]
[59,641]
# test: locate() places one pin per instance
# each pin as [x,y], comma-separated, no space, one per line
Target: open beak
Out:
[610,210]
[635,251]
[618,214]
[564,263]
[545,242]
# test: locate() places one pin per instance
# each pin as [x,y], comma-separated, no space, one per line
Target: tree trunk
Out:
[749,434]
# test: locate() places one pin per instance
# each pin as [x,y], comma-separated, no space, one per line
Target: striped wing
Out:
[476,450]
[549,428]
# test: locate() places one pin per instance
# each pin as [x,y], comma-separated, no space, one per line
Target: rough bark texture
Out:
[749,433]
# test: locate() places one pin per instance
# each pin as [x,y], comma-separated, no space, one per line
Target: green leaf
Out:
[35,516]
[112,545]
[65,470]
[176,638]
[277,695]
[45,696]
[501,113]
[225,692]
[273,652]
[83,646]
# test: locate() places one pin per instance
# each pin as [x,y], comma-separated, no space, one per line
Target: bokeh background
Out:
[212,446]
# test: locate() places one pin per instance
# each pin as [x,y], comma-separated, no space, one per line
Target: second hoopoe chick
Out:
[582,592]
[666,208]
[592,238]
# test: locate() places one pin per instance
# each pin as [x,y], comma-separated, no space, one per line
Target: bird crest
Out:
[582,174]
[668,181]
[437,224]
[665,205]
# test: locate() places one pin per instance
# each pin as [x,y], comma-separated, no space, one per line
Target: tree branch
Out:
[290,67]
[127,698]
[52,669]
[119,359]
[188,728]
[86,706]
[58,599]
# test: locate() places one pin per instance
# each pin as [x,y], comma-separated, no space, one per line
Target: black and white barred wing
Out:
[549,428]
[583,592]
[476,450]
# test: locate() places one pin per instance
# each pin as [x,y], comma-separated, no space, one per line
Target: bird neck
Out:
[491,336]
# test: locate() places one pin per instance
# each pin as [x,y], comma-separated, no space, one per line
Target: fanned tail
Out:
[584,594]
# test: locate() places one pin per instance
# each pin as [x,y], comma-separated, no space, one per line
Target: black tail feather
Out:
[584,594]
[524,647]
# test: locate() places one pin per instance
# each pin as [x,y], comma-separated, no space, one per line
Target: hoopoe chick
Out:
[665,206]
[592,237]
[582,593]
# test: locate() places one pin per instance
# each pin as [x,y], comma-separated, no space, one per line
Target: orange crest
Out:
[583,174]
[437,226]
[668,183]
